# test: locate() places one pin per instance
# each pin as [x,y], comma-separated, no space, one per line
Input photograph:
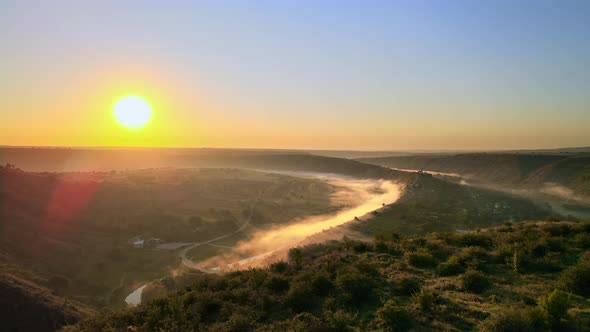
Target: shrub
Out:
[558,229]
[242,320]
[393,317]
[450,268]
[296,257]
[426,300]
[279,267]
[508,320]
[555,305]
[477,240]
[305,322]
[340,320]
[473,257]
[277,284]
[407,286]
[381,246]
[475,281]
[576,279]
[421,259]
[321,285]
[519,261]
[356,287]
[583,240]
[300,297]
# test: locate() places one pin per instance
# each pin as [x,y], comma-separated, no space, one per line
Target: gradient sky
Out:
[298,74]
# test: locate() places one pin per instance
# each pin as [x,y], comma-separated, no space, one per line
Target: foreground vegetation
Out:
[530,276]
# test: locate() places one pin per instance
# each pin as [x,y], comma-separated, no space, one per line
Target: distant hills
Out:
[566,174]
[70,159]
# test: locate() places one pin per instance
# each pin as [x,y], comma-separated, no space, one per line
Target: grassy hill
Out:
[432,204]
[518,277]
[27,305]
[571,171]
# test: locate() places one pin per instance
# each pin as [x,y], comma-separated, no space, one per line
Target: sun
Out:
[132,112]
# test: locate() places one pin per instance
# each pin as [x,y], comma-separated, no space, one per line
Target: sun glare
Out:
[132,112]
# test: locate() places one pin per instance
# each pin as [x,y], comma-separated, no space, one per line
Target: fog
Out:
[363,196]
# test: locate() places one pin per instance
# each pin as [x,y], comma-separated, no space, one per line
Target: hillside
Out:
[516,277]
[27,306]
[431,204]
[80,227]
[566,172]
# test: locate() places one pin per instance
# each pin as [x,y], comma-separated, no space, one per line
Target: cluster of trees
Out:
[525,277]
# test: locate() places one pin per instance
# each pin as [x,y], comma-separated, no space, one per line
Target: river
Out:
[362,197]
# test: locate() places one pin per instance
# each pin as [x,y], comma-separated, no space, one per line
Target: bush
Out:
[355,287]
[407,286]
[513,320]
[340,320]
[426,300]
[475,240]
[555,305]
[519,261]
[296,257]
[422,259]
[242,320]
[277,284]
[576,279]
[393,317]
[473,258]
[583,240]
[450,268]
[475,281]
[321,284]
[279,267]
[300,297]
[305,322]
[558,229]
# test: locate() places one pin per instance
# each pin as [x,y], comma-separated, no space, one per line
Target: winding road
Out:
[191,264]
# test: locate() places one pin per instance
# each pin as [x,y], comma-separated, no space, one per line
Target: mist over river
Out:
[364,196]
[357,197]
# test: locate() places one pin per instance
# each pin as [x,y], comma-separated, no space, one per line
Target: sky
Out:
[367,75]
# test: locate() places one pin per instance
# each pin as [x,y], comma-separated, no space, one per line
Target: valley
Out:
[110,239]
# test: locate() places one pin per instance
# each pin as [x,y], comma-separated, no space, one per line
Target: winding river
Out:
[363,197]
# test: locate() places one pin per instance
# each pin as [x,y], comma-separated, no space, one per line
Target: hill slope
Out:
[81,226]
[432,204]
[489,280]
[571,171]
[27,306]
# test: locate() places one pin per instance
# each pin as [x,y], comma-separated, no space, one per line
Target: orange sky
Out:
[310,76]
